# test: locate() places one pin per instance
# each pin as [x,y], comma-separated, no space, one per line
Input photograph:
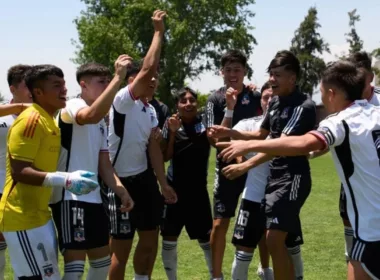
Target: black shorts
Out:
[226,194]
[284,198]
[368,254]
[80,225]
[343,204]
[192,211]
[147,211]
[250,224]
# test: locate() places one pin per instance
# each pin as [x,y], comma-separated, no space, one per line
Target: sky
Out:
[41,31]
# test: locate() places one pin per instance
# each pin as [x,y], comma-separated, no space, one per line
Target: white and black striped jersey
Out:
[257,177]
[130,125]
[353,136]
[80,148]
[5,124]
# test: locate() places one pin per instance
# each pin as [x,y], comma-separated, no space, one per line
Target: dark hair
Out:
[134,69]
[347,77]
[16,74]
[182,92]
[92,69]
[38,73]
[265,86]
[234,56]
[361,59]
[285,58]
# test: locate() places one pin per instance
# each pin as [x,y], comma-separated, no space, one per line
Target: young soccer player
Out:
[33,151]
[290,113]
[241,103]
[355,152]
[188,149]
[132,124]
[81,221]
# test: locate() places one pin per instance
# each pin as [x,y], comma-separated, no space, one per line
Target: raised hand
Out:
[218,131]
[158,20]
[174,123]
[121,65]
[231,96]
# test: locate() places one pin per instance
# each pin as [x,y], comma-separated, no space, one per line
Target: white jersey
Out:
[375,97]
[353,136]
[257,177]
[80,148]
[5,124]
[130,126]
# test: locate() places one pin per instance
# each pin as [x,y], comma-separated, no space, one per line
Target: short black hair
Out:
[16,74]
[288,59]
[361,59]
[92,69]
[265,86]
[134,69]
[232,56]
[347,77]
[180,93]
[39,73]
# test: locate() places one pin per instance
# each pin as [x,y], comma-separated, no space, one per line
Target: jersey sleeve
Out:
[214,113]
[69,113]
[331,132]
[242,125]
[153,117]
[165,131]
[103,128]
[25,137]
[302,120]
[124,100]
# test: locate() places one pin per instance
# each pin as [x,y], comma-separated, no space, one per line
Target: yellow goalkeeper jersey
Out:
[34,138]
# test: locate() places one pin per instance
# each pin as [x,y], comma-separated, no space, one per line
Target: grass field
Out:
[323,251]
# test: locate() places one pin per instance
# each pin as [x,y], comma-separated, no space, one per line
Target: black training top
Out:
[191,152]
[291,115]
[247,106]
[162,111]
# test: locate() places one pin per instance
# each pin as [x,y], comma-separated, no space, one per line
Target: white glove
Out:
[77,182]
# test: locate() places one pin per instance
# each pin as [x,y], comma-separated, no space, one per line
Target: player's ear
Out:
[12,88]
[82,84]
[37,92]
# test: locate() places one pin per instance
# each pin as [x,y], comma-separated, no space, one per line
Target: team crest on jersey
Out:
[285,113]
[48,270]
[79,234]
[245,100]
[199,128]
[239,232]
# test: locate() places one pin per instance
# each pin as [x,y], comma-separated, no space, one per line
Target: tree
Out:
[356,44]
[197,33]
[306,44]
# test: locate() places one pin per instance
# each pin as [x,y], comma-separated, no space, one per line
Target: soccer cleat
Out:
[267,275]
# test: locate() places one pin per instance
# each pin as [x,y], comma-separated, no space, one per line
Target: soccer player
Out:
[33,151]
[132,120]
[188,149]
[290,113]
[250,224]
[226,107]
[355,152]
[81,221]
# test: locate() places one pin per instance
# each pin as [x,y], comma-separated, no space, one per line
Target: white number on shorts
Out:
[243,218]
[125,216]
[78,214]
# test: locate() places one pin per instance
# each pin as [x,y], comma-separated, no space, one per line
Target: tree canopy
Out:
[356,44]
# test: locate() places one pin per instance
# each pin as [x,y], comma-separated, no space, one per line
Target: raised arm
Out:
[141,84]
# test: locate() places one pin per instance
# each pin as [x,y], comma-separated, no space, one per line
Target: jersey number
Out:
[78,215]
[243,218]
[41,248]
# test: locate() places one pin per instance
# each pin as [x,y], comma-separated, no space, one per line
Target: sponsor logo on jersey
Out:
[4,124]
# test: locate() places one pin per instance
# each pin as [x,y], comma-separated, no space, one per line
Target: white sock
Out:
[141,277]
[73,270]
[99,269]
[206,247]
[268,273]
[295,254]
[169,258]
[241,265]
[3,247]
[348,236]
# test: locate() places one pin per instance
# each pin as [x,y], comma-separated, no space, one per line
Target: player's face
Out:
[52,94]
[21,93]
[281,80]
[95,86]
[266,97]
[187,106]
[153,85]
[233,74]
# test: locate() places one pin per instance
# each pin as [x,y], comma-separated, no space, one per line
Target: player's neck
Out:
[187,120]
[367,94]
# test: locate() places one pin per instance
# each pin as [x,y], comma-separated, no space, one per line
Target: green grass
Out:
[323,251]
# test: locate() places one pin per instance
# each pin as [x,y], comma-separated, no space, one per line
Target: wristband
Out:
[229,114]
